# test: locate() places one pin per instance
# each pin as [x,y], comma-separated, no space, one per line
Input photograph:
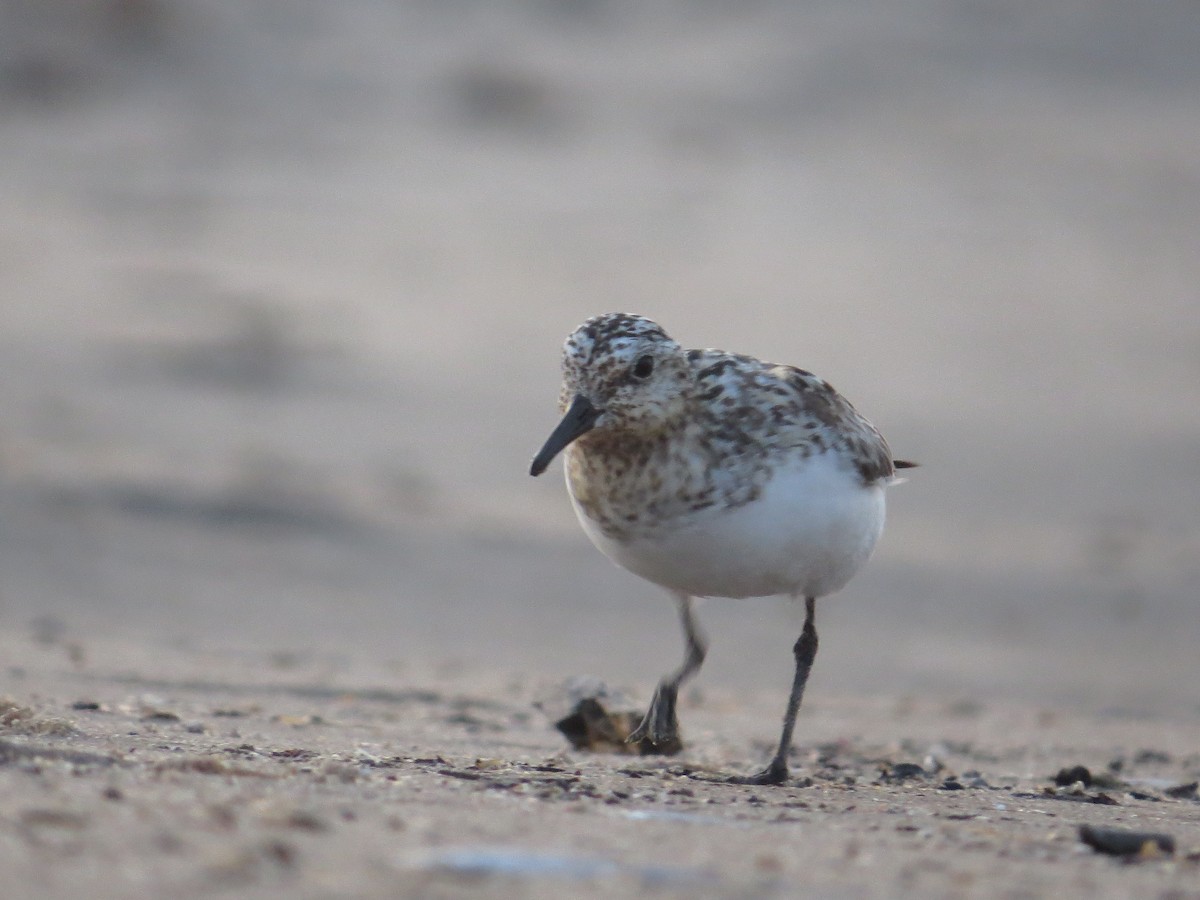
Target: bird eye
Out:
[643,368]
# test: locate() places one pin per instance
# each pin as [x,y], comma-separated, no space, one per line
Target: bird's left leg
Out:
[805,651]
[660,724]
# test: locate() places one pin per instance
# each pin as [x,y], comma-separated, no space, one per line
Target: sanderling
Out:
[716,475]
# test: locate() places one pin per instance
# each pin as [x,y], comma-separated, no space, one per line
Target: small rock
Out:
[1120,842]
[1067,777]
[1184,791]
[153,714]
[592,727]
[901,772]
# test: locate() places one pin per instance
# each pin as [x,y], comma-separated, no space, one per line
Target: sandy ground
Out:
[137,773]
[283,290]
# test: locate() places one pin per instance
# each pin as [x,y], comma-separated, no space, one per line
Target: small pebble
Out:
[1120,842]
[902,772]
[1183,791]
[1066,777]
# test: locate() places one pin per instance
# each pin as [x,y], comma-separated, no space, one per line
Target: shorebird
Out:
[714,474]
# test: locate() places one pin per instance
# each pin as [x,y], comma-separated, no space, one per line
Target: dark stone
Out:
[1183,791]
[1066,777]
[902,772]
[1119,842]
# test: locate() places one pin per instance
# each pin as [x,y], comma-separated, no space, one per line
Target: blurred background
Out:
[283,287]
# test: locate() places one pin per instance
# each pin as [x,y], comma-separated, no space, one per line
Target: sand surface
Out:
[284,288]
[130,773]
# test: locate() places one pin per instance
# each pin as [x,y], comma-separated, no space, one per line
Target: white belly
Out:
[808,532]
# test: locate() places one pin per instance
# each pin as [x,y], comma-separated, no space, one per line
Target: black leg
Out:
[660,724]
[805,651]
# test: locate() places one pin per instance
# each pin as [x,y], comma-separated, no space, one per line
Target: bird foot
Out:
[659,726]
[776,773]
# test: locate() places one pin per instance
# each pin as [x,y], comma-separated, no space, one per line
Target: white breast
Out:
[808,532]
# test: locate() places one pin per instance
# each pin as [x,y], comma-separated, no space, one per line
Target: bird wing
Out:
[751,401]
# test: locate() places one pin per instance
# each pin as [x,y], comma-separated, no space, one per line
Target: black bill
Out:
[578,420]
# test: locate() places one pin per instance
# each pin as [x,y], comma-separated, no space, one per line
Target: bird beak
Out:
[578,420]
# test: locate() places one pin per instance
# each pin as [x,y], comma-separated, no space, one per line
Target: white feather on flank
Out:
[812,527]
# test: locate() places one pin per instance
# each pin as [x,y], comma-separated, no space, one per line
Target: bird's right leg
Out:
[660,725]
